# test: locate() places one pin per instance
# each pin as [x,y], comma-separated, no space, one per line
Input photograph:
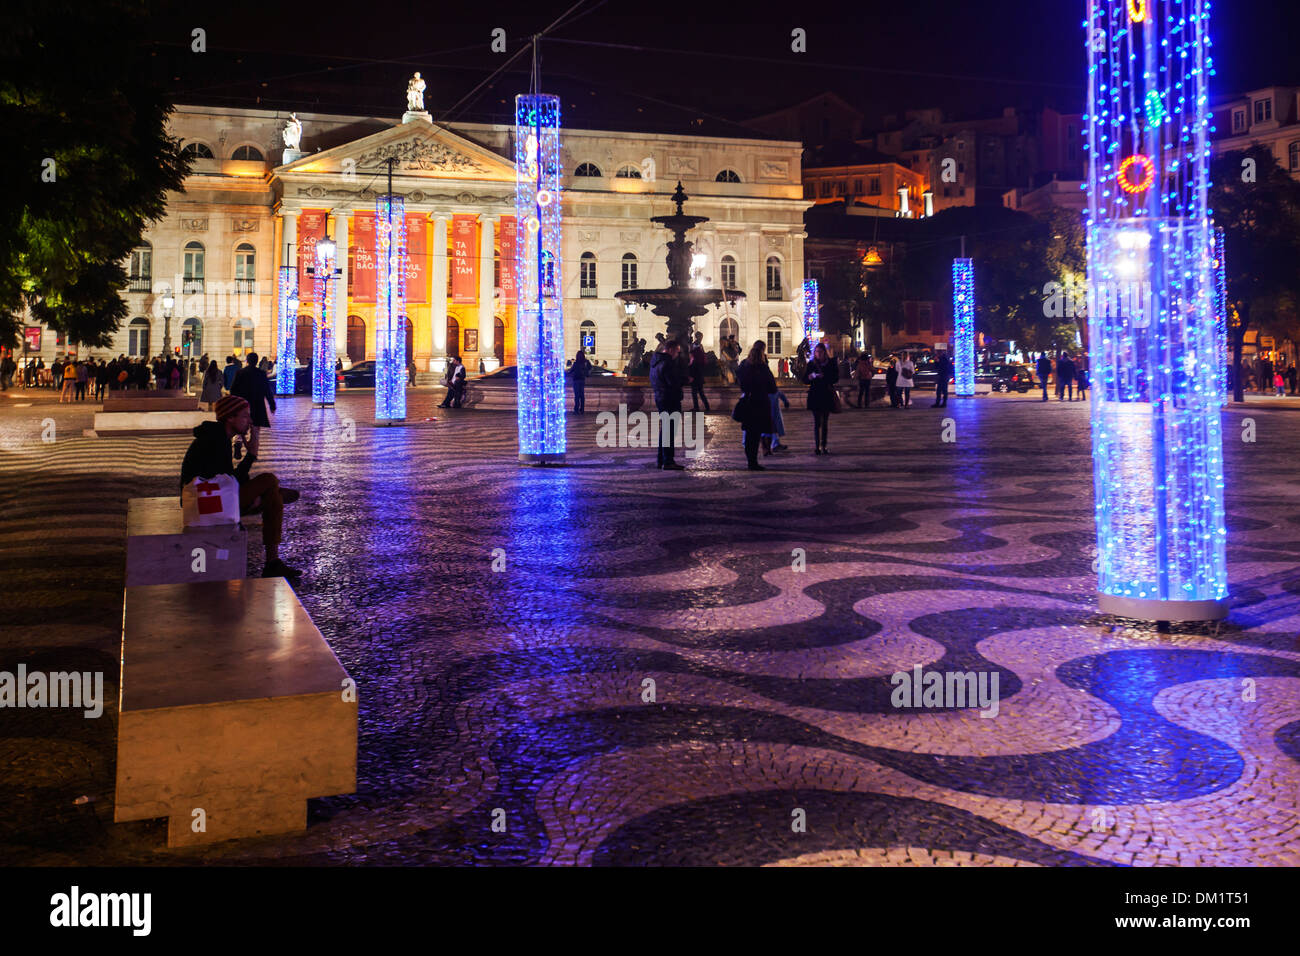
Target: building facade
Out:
[251,206]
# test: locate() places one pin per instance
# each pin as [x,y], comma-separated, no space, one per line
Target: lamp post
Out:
[168,303]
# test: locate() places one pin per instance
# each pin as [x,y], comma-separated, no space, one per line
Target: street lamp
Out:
[168,303]
[324,269]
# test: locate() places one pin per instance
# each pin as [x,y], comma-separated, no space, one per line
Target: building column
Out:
[486,287]
[340,303]
[438,310]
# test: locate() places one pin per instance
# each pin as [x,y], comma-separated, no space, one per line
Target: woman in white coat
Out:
[906,378]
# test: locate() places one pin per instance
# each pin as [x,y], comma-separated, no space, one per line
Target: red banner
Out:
[417,262]
[509,294]
[464,259]
[363,257]
[311,227]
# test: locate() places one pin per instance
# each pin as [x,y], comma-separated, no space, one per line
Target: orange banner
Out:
[363,257]
[464,259]
[417,272]
[311,229]
[509,294]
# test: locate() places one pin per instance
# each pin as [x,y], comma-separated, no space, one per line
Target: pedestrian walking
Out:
[212,386]
[1044,369]
[578,373]
[864,371]
[231,370]
[943,373]
[252,385]
[906,379]
[821,375]
[1064,376]
[891,381]
[667,377]
[754,409]
[83,379]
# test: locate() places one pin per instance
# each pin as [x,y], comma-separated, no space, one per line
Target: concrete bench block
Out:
[122,423]
[242,715]
[160,550]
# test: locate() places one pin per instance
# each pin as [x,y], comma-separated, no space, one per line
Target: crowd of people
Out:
[75,378]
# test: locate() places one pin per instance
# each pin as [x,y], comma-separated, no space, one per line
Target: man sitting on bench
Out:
[210,454]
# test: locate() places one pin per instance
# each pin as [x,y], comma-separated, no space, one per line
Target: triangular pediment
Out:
[420,148]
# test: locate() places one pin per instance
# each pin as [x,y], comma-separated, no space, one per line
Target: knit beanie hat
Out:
[229,406]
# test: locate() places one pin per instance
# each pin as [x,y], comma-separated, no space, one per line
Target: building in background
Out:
[1269,117]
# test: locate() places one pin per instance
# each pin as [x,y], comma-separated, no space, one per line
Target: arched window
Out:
[728,271]
[727,328]
[197,151]
[137,337]
[356,339]
[629,270]
[629,336]
[453,335]
[192,337]
[243,336]
[587,169]
[304,339]
[247,154]
[773,277]
[587,275]
[141,270]
[245,268]
[628,171]
[587,336]
[193,268]
[774,337]
[727,176]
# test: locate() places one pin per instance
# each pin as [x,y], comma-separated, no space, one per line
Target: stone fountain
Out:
[681,303]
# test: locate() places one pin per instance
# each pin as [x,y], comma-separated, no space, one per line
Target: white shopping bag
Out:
[211,501]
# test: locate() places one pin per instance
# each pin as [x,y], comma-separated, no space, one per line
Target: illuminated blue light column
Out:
[1156,431]
[540,324]
[288,330]
[390,306]
[322,361]
[810,306]
[1221,307]
[963,333]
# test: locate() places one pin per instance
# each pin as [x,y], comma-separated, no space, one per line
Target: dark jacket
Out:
[209,455]
[820,388]
[228,374]
[943,367]
[757,382]
[1064,370]
[252,385]
[1044,368]
[667,377]
[581,368]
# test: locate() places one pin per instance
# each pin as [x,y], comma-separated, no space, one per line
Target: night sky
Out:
[697,64]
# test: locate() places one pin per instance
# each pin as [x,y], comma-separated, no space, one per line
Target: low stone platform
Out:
[233,711]
[161,550]
[149,413]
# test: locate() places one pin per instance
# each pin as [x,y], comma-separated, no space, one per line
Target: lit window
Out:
[243,336]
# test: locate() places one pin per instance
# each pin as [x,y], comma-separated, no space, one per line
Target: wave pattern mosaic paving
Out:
[699,667]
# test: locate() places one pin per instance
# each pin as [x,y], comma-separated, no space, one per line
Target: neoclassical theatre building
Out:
[251,205]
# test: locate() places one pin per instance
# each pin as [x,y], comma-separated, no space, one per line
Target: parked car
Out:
[360,375]
[1007,378]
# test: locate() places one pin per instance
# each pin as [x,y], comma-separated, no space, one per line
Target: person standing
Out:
[906,380]
[891,381]
[212,384]
[667,377]
[7,368]
[230,371]
[69,382]
[449,382]
[83,379]
[1064,377]
[772,439]
[754,410]
[699,362]
[943,372]
[411,371]
[458,377]
[821,375]
[102,375]
[865,372]
[1044,369]
[579,371]
[252,385]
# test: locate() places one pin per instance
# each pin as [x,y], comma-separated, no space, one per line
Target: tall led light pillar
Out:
[390,308]
[810,306]
[540,323]
[1220,264]
[322,360]
[963,333]
[1153,343]
[287,314]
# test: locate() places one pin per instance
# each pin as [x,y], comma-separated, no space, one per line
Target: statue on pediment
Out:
[415,94]
[292,132]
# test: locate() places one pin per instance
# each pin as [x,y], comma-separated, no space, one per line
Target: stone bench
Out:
[234,711]
[161,550]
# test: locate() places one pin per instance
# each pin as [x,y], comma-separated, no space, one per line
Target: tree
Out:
[1257,204]
[87,162]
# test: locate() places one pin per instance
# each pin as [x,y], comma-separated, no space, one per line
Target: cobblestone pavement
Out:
[771,738]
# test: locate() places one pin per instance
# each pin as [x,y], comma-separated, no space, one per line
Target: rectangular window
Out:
[809,191]
[875,186]
[1293,156]
[1239,121]
[587,278]
[142,264]
[924,315]
[774,280]
[857,187]
[728,273]
[629,273]
[1263,110]
[774,341]
[826,188]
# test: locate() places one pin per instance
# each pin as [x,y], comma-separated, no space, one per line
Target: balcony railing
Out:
[774,295]
[191,286]
[139,284]
[588,292]
[246,286]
